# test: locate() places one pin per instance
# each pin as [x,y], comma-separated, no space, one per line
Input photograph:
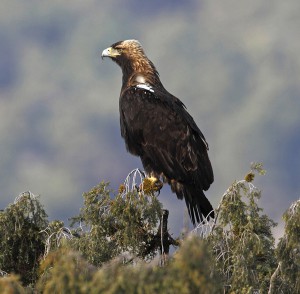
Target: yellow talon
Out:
[151,185]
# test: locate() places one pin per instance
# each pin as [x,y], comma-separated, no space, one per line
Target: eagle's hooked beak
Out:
[110,52]
[106,52]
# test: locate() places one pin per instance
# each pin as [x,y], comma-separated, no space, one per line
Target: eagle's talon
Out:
[151,185]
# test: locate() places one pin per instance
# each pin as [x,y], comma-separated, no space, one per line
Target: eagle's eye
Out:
[119,50]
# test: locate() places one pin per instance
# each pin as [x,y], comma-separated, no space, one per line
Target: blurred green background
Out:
[235,64]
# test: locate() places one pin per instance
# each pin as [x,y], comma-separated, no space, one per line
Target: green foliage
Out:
[287,275]
[191,271]
[109,227]
[53,235]
[113,237]
[21,244]
[258,167]
[242,240]
[64,271]
[188,272]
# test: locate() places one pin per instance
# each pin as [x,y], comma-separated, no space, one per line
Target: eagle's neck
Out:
[139,70]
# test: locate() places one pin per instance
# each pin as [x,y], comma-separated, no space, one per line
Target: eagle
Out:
[157,127]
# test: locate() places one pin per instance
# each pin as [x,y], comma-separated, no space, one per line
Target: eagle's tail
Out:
[198,205]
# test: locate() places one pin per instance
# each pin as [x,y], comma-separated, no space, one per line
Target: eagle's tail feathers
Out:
[198,205]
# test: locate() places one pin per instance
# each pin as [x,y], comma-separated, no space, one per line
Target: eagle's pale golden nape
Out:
[157,127]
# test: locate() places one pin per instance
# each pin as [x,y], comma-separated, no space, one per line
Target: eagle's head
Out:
[123,49]
[130,56]
[125,53]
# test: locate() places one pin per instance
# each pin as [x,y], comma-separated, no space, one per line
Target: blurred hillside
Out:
[235,65]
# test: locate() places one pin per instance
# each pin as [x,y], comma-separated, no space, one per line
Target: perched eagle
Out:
[157,128]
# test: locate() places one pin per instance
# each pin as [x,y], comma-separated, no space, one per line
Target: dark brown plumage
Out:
[157,128]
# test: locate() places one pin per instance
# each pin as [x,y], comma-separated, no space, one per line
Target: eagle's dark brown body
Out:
[157,128]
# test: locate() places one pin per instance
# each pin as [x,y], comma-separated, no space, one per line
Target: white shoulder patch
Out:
[145,87]
[140,79]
